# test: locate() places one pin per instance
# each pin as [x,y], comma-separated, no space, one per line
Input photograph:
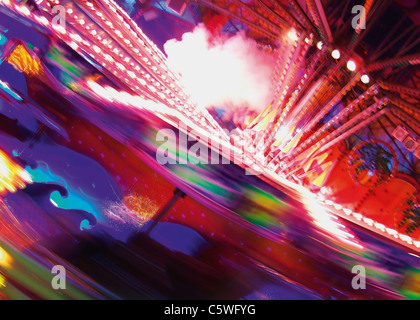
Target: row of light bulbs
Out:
[351,65]
[370,222]
[123,68]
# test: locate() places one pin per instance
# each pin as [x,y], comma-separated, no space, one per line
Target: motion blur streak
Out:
[12,176]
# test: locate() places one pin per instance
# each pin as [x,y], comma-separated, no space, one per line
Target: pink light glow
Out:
[222,71]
